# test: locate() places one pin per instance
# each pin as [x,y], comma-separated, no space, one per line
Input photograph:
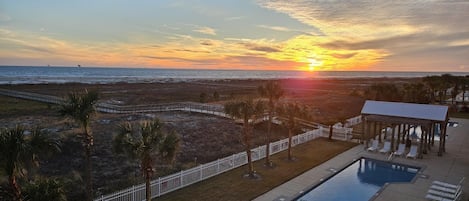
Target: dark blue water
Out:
[360,181]
[24,74]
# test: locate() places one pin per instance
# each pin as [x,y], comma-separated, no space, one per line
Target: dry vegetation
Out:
[204,138]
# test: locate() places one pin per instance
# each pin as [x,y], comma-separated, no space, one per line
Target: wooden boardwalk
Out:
[216,110]
[211,109]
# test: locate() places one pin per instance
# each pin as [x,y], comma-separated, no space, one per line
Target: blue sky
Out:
[238,34]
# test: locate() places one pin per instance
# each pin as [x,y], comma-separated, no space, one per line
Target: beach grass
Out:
[233,186]
[19,107]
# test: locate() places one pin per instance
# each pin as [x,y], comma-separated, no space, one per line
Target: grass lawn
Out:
[232,186]
[462,115]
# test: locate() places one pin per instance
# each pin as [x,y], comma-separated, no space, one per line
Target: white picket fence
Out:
[184,178]
[353,121]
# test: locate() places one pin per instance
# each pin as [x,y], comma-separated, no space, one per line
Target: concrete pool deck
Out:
[450,168]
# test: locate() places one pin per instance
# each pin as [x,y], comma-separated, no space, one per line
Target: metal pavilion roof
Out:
[406,110]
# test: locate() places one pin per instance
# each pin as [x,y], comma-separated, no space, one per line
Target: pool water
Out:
[360,181]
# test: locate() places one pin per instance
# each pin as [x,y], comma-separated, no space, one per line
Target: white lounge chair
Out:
[413,152]
[448,185]
[450,196]
[445,189]
[374,146]
[400,150]
[436,198]
[386,148]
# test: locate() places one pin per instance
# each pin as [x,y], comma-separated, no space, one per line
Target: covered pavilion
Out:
[401,117]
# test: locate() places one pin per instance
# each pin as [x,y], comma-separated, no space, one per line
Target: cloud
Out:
[376,13]
[207,42]
[262,63]
[314,32]
[343,56]
[234,18]
[381,43]
[189,50]
[38,49]
[206,30]
[401,43]
[275,28]
[169,58]
[260,48]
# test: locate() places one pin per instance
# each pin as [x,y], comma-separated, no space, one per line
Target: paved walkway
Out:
[451,167]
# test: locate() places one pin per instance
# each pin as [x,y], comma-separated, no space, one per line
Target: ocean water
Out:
[35,75]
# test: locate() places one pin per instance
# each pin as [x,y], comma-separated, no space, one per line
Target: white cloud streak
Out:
[206,30]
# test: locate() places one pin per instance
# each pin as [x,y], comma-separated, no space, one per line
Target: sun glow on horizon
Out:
[313,63]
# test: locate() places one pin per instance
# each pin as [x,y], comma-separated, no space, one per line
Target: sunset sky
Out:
[408,35]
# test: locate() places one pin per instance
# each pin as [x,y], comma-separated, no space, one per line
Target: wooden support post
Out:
[406,133]
[375,124]
[440,146]
[443,135]
[420,155]
[432,134]
[399,134]
[385,134]
[365,132]
[392,137]
[424,139]
[380,127]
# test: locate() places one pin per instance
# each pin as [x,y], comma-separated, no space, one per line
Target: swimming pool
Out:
[360,180]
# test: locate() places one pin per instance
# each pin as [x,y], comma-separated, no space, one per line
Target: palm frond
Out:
[42,144]
[80,106]
[124,141]
[145,141]
[169,146]
[15,150]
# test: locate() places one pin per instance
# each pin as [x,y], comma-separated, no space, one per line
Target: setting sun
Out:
[313,63]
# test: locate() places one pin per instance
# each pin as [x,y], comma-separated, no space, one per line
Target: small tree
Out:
[216,96]
[433,84]
[81,107]
[273,91]
[17,151]
[45,189]
[464,83]
[247,110]
[203,97]
[291,112]
[146,142]
[456,82]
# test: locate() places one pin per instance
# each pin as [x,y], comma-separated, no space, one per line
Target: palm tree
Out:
[433,84]
[456,82]
[273,91]
[45,189]
[247,110]
[146,142]
[18,150]
[464,83]
[291,112]
[383,92]
[332,122]
[415,93]
[81,107]
[445,83]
